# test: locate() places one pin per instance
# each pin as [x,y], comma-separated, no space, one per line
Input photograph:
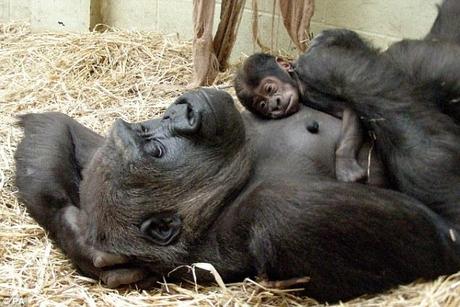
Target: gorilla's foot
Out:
[338,38]
[349,170]
[284,284]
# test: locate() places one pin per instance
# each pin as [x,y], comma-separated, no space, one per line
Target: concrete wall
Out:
[381,21]
[68,15]
[14,10]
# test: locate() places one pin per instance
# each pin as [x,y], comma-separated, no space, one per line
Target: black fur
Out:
[408,97]
[218,177]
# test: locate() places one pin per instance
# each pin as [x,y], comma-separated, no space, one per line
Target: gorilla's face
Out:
[154,185]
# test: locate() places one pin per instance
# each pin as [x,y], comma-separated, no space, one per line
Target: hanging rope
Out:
[296,18]
[210,56]
[205,64]
[230,18]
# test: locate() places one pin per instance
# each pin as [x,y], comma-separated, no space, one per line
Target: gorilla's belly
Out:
[287,148]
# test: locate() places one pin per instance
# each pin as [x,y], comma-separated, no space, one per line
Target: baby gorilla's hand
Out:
[113,270]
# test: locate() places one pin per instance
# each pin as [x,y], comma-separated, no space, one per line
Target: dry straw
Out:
[95,78]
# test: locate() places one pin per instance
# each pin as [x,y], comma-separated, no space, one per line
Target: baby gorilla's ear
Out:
[162,229]
[285,65]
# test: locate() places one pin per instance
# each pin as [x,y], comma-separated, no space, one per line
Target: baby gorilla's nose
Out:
[274,104]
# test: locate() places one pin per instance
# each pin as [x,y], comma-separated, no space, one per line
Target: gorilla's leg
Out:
[419,145]
[349,239]
[342,38]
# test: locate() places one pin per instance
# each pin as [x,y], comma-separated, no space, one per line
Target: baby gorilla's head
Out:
[265,87]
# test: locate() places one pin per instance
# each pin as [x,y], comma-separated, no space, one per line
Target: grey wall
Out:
[382,21]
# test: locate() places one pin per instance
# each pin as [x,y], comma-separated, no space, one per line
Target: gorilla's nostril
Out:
[143,129]
[190,114]
[182,100]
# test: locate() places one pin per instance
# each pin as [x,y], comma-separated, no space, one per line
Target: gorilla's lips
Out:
[286,109]
[292,106]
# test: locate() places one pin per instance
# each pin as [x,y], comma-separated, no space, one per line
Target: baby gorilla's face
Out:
[276,98]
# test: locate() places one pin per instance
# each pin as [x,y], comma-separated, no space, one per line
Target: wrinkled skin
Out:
[255,197]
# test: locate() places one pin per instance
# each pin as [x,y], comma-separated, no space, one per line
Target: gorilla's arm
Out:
[393,108]
[49,161]
[447,23]
[433,68]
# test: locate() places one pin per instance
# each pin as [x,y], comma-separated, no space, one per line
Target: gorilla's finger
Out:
[116,278]
[102,259]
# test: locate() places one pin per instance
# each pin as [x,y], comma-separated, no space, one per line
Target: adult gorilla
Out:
[252,197]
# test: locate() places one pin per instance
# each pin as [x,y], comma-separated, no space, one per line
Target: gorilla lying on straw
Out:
[259,198]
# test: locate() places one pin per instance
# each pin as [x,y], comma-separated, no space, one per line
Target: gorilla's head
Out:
[155,186]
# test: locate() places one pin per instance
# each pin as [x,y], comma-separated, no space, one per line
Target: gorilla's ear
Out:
[285,65]
[162,229]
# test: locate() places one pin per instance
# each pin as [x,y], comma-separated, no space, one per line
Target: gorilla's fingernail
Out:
[99,262]
[112,282]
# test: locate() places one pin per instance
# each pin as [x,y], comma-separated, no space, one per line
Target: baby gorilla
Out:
[268,87]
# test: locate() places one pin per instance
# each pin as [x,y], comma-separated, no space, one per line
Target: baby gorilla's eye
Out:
[270,89]
[262,105]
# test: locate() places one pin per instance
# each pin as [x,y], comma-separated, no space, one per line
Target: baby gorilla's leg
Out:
[347,168]
[342,38]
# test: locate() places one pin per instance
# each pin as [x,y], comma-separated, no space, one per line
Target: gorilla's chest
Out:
[287,147]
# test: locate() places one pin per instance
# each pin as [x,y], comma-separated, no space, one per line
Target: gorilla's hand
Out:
[113,270]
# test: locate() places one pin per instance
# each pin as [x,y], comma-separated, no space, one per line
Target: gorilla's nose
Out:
[185,114]
[216,96]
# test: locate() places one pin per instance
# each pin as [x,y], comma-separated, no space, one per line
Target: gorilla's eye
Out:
[154,148]
[161,230]
[270,89]
[263,104]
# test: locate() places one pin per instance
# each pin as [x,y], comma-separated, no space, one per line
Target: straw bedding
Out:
[95,78]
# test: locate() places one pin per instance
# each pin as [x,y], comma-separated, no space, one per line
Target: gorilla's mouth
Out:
[214,114]
[290,105]
[286,109]
[208,102]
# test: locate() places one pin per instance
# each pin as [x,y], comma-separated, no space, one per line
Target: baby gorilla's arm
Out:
[347,168]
